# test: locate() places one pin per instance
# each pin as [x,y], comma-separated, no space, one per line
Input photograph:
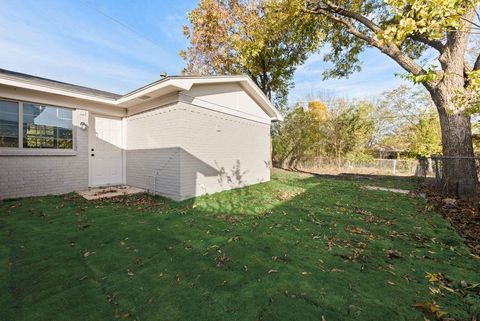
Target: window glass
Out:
[47,127]
[8,124]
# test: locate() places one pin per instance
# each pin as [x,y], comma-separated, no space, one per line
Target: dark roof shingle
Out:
[57,84]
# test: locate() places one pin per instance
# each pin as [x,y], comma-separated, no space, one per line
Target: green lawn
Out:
[296,248]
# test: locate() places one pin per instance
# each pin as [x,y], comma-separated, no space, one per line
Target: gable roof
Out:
[158,88]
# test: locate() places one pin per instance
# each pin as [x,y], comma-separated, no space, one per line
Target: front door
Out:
[105,143]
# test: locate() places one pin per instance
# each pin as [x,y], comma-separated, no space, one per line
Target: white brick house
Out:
[180,136]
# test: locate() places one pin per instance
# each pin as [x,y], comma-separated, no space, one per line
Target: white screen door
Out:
[105,150]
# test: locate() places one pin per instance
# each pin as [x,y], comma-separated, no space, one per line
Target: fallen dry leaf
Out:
[430,309]
[87,254]
[393,254]
[336,270]
[222,260]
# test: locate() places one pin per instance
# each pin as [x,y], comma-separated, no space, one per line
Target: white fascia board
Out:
[265,103]
[248,85]
[167,86]
[162,87]
[51,90]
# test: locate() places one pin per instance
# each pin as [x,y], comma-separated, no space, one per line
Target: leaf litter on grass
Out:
[297,248]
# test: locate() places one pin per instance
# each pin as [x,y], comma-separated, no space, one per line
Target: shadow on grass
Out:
[390,180]
[296,248]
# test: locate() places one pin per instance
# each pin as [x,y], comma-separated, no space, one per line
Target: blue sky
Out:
[69,41]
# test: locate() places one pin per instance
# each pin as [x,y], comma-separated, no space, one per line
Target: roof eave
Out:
[265,103]
[155,89]
[56,91]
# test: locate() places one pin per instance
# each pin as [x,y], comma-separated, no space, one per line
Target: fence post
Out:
[438,177]
[422,167]
[394,167]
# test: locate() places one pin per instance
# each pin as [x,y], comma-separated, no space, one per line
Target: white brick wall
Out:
[193,150]
[153,140]
[22,176]
[223,152]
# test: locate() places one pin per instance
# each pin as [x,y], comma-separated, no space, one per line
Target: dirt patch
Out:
[385,189]
[286,195]
[231,218]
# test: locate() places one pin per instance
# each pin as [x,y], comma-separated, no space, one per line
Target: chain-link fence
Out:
[441,162]
[395,167]
[458,169]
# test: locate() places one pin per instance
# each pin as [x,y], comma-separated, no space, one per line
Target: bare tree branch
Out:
[435,44]
[350,27]
[340,16]
[470,21]
[354,15]
[476,66]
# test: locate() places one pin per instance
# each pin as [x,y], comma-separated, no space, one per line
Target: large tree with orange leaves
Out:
[251,37]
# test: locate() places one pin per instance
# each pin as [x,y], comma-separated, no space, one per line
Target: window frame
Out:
[35,150]
[18,132]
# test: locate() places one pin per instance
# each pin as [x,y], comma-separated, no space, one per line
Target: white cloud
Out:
[68,42]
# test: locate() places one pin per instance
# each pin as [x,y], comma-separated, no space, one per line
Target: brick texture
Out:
[190,151]
[180,150]
[22,176]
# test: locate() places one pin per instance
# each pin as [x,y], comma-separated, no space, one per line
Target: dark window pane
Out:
[8,124]
[47,127]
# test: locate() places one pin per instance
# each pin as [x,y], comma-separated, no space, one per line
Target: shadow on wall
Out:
[191,169]
[233,178]
[206,90]
[170,171]
[175,173]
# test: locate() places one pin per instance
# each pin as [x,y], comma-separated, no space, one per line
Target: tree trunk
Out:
[291,162]
[459,173]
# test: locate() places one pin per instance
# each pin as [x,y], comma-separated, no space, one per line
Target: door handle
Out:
[92,154]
